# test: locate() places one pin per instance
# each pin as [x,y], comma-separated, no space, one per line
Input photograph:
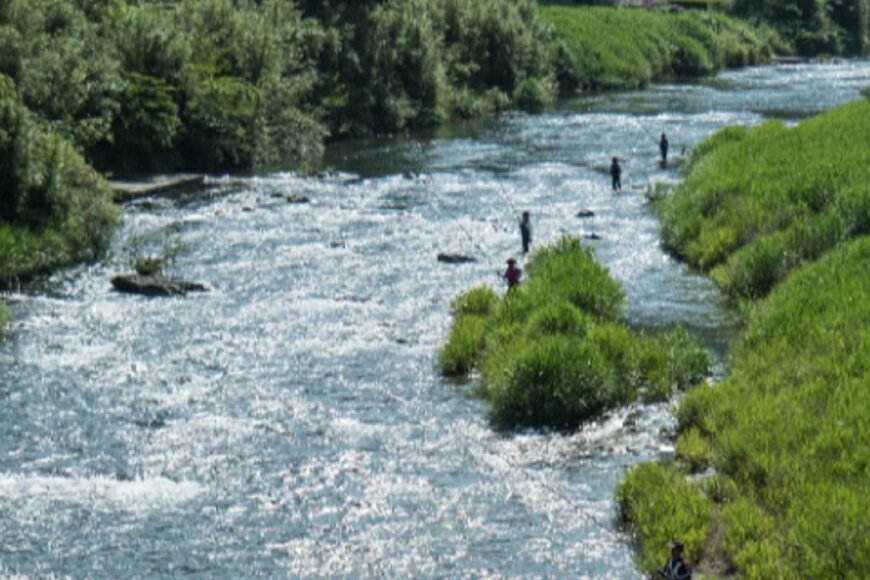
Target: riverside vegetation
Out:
[552,351]
[783,439]
[235,85]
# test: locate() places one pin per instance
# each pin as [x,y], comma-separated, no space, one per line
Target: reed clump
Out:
[553,353]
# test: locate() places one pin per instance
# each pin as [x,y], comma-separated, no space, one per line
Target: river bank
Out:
[779,217]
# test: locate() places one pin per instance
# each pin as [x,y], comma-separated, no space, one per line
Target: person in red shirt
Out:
[513,274]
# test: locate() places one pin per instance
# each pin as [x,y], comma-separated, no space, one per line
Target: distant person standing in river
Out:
[616,174]
[663,148]
[526,231]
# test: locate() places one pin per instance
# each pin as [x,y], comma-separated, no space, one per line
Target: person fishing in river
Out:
[663,149]
[616,174]
[512,274]
[526,231]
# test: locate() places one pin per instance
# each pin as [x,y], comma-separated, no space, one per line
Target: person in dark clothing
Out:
[663,148]
[616,174]
[676,567]
[526,231]
[513,274]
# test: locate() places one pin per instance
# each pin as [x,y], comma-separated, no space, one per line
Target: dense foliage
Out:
[156,86]
[786,431]
[54,209]
[814,27]
[236,84]
[552,351]
[759,203]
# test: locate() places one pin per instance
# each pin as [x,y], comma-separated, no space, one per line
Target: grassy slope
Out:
[787,431]
[607,48]
[759,203]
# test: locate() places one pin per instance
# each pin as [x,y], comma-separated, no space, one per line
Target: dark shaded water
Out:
[291,422]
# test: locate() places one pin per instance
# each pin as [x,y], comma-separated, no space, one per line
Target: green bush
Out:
[551,382]
[552,352]
[55,208]
[567,270]
[751,542]
[606,48]
[554,319]
[464,345]
[480,301]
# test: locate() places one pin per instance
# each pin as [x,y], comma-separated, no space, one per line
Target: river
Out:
[291,422]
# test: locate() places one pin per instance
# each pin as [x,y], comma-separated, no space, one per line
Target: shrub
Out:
[751,542]
[463,346]
[479,301]
[551,351]
[56,209]
[551,382]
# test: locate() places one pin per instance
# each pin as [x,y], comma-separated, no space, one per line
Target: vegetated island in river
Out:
[552,351]
[772,464]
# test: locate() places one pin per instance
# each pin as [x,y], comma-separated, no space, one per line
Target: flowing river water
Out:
[291,422]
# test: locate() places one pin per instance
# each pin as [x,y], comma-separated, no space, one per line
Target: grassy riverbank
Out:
[553,353]
[785,433]
[605,48]
[759,203]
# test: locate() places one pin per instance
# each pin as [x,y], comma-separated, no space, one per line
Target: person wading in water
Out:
[616,174]
[526,232]
[663,148]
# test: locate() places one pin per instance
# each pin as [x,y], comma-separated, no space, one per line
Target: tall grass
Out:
[789,424]
[552,352]
[606,48]
[779,217]
[759,203]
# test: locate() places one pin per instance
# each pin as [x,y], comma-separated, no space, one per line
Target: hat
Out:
[676,545]
[511,261]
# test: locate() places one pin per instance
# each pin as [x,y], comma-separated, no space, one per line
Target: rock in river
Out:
[154,285]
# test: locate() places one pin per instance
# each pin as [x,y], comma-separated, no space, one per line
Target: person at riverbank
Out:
[676,568]
[663,148]
[512,274]
[526,231]
[616,174]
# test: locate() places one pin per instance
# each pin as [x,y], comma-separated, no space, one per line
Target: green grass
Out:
[553,353]
[789,424]
[758,203]
[779,217]
[607,48]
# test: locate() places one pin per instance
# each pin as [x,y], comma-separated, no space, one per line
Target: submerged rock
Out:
[455,258]
[585,213]
[154,285]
